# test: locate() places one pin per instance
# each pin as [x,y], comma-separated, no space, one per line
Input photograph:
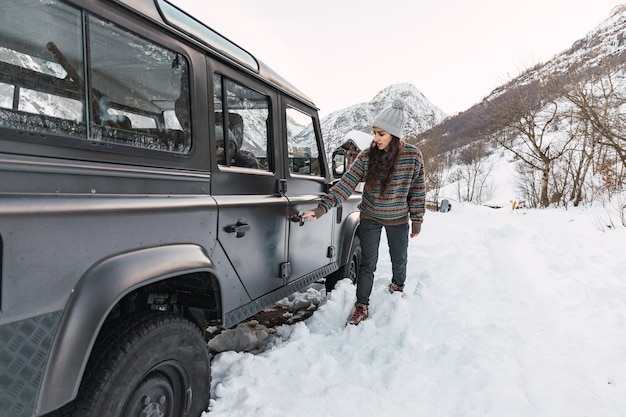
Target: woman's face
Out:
[382,138]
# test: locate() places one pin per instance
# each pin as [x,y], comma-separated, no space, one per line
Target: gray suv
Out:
[152,176]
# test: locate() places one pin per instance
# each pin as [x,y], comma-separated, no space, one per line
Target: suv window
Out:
[136,94]
[304,153]
[245,114]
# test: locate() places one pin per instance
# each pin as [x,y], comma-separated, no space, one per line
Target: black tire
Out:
[156,364]
[350,269]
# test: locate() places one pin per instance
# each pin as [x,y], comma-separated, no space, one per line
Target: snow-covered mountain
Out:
[422,115]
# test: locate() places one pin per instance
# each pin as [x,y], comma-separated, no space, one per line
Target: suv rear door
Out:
[310,243]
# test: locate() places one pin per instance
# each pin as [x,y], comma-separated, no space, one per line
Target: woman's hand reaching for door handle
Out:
[310,215]
[314,214]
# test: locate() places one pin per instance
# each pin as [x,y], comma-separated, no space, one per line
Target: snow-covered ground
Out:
[505,313]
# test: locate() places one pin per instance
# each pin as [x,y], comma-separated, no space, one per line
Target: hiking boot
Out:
[393,288]
[359,314]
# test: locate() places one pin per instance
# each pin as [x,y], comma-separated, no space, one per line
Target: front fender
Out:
[91,301]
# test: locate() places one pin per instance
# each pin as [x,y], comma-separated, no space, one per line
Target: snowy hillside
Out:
[606,39]
[422,114]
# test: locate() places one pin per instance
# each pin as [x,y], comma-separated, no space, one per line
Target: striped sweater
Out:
[404,200]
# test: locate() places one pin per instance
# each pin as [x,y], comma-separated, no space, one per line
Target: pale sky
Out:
[342,52]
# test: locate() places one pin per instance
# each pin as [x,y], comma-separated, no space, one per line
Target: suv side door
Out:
[310,243]
[253,221]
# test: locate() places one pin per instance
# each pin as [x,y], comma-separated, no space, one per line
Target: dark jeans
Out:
[398,240]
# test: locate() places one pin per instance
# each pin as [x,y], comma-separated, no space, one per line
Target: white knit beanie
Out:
[392,119]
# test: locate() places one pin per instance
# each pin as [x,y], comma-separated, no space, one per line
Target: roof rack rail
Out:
[177,18]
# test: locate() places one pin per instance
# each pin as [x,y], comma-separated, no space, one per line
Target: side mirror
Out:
[340,163]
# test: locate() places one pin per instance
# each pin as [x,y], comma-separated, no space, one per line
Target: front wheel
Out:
[350,269]
[155,365]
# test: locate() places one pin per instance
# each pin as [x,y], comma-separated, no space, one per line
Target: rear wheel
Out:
[155,365]
[350,269]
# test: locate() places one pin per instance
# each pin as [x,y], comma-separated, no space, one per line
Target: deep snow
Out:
[505,314]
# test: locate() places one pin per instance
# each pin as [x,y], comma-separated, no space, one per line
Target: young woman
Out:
[394,196]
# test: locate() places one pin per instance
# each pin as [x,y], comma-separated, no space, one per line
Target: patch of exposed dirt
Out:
[274,317]
[271,317]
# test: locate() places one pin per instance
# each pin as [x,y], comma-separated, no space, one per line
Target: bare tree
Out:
[528,185]
[472,174]
[599,98]
[436,165]
[571,172]
[529,122]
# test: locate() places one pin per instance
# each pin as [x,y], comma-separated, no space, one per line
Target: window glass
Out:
[6,95]
[303,147]
[38,102]
[135,84]
[244,112]
[137,92]
[42,67]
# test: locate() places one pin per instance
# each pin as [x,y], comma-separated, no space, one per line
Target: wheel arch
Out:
[349,230]
[98,291]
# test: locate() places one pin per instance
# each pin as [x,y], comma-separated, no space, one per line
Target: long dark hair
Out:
[382,164]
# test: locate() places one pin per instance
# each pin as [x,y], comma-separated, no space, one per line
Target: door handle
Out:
[297,218]
[241,227]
